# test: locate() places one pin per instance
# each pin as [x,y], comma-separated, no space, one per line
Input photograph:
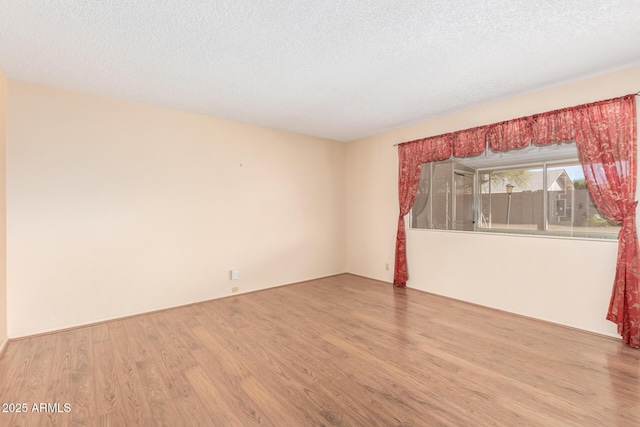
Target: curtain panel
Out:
[605,133]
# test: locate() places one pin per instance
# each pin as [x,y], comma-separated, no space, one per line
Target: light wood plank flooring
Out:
[340,351]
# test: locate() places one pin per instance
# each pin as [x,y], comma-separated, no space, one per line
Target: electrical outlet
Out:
[234,289]
[386,266]
[235,274]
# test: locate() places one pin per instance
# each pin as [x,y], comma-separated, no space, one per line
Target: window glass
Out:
[512,199]
[536,190]
[420,213]
[570,207]
[440,213]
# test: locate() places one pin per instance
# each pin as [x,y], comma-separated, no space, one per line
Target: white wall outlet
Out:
[235,274]
[386,266]
[234,289]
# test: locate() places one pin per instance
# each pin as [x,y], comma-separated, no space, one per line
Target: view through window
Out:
[536,190]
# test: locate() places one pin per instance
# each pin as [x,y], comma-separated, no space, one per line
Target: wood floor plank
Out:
[60,378]
[82,390]
[292,391]
[327,361]
[114,417]
[135,407]
[324,392]
[172,363]
[228,373]
[107,390]
[34,369]
[164,409]
[339,351]
[349,375]
[15,368]
[222,410]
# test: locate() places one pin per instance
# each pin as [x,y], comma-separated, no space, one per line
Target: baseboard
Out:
[549,322]
[114,319]
[524,316]
[370,278]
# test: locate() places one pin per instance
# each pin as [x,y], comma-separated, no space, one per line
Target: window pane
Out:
[512,199]
[420,217]
[463,183]
[440,215]
[570,207]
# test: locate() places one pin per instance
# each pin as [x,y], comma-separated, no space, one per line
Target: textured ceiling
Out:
[339,69]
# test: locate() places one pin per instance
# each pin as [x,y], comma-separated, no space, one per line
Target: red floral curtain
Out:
[606,137]
[412,155]
[606,140]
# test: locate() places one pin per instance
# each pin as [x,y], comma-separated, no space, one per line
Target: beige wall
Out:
[3,228]
[560,280]
[116,208]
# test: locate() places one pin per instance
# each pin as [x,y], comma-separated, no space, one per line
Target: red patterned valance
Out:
[539,129]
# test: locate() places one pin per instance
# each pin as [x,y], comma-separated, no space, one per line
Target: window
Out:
[536,190]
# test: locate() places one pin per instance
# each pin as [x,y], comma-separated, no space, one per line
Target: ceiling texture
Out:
[338,69]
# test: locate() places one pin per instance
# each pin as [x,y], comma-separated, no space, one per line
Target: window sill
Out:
[518,233]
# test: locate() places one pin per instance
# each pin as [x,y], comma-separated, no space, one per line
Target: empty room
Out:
[237,213]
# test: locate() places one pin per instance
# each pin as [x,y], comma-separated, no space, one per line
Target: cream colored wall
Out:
[559,280]
[3,228]
[116,208]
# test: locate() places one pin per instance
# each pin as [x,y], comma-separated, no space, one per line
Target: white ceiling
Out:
[339,69]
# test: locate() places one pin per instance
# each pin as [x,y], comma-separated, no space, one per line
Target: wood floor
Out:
[340,351]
